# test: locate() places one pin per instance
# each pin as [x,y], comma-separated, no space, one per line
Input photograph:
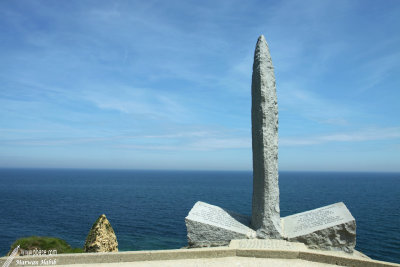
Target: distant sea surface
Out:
[147,208]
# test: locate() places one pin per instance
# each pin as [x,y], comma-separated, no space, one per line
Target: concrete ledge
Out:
[128,256]
[323,257]
[342,260]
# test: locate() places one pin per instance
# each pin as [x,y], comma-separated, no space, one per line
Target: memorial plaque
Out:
[216,216]
[209,225]
[329,227]
[317,219]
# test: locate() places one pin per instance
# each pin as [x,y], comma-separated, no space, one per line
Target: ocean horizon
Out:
[147,208]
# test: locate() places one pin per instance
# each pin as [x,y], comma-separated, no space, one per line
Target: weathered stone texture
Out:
[205,235]
[339,237]
[101,237]
[328,228]
[264,116]
[209,226]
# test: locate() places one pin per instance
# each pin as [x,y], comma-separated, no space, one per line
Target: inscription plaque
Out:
[218,217]
[314,220]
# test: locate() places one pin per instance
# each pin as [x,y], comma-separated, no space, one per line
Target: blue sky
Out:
[166,84]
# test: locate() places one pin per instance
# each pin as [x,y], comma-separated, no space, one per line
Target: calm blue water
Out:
[147,208]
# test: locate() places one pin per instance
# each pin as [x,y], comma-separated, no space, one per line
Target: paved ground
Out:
[212,262]
[240,253]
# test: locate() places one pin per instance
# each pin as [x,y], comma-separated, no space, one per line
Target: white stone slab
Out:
[314,220]
[218,217]
[208,226]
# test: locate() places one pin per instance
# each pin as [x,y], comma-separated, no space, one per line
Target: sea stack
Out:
[101,237]
[264,117]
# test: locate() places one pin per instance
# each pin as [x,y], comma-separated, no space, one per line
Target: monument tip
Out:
[261,45]
[261,38]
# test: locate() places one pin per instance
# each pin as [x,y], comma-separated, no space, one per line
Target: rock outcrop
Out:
[101,237]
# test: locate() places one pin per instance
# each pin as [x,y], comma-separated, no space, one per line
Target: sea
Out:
[147,208]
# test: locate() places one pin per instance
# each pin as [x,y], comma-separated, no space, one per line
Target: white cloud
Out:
[51,142]
[377,70]
[364,135]
[311,105]
[145,102]
[220,143]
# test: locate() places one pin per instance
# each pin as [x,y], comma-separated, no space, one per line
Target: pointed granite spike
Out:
[264,116]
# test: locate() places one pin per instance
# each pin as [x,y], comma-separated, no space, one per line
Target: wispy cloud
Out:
[220,143]
[377,70]
[28,131]
[374,134]
[144,102]
[200,144]
[181,141]
[176,77]
[207,141]
[50,141]
[292,97]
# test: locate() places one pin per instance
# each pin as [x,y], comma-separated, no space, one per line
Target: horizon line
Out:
[181,170]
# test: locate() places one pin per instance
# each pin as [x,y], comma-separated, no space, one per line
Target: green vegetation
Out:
[45,243]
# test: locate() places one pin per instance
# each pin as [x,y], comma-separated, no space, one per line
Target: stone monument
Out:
[330,228]
[264,121]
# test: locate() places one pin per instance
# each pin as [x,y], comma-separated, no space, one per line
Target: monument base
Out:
[328,228]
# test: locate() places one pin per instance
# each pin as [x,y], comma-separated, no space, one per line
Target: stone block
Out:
[208,226]
[330,228]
